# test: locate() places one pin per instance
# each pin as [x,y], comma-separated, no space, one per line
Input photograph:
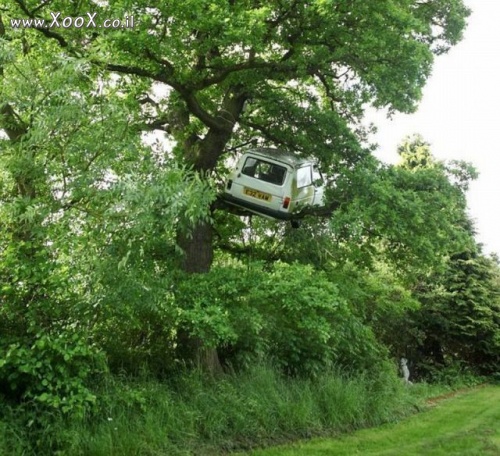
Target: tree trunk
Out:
[198,256]
[198,249]
[197,246]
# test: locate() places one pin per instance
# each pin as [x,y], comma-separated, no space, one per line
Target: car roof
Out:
[279,155]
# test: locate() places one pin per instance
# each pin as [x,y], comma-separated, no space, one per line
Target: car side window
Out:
[304,176]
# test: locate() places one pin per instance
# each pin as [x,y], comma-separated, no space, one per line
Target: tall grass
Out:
[196,415]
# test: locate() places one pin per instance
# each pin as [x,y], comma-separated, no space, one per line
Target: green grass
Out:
[198,415]
[466,424]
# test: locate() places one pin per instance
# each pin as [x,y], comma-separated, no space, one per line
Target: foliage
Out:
[381,300]
[55,372]
[407,217]
[458,322]
[289,313]
[300,79]
[47,358]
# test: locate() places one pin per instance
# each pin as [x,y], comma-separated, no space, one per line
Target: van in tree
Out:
[275,184]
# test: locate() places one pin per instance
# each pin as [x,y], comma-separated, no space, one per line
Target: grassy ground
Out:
[467,423]
[194,415]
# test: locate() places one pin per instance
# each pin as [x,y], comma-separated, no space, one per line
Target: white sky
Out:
[459,116]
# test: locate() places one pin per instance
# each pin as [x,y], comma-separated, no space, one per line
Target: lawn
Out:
[467,423]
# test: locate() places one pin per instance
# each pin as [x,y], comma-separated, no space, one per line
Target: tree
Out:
[457,320]
[211,76]
[287,73]
[57,156]
[415,154]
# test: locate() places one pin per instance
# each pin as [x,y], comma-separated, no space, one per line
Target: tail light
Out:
[229,183]
[286,202]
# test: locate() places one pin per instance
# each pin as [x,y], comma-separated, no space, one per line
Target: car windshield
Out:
[264,171]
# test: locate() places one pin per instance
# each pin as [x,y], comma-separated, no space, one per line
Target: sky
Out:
[459,115]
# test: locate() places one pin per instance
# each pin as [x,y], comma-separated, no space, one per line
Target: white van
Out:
[275,184]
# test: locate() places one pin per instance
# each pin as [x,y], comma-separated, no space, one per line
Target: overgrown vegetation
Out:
[193,414]
[134,303]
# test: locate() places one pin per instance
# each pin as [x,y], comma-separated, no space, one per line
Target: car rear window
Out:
[264,171]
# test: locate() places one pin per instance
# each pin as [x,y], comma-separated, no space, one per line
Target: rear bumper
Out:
[258,209]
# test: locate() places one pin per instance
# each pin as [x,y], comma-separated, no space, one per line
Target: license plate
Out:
[256,194]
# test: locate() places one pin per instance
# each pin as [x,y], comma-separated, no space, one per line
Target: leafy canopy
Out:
[296,73]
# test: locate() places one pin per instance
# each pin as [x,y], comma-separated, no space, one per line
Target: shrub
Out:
[52,369]
[290,313]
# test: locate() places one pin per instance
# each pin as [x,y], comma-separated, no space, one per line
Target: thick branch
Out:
[159,123]
[328,90]
[214,143]
[196,109]
[265,132]
[165,63]
[160,76]
[223,73]
[188,96]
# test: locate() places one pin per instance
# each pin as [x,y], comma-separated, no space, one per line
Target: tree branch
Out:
[45,31]
[188,96]
[165,63]
[223,73]
[136,71]
[195,108]
[279,66]
[41,5]
[328,89]
[160,123]
[265,132]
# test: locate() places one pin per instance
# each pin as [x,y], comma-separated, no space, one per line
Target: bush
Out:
[457,374]
[52,370]
[290,313]
[308,325]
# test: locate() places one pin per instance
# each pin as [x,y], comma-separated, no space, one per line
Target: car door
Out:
[319,188]
[303,188]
